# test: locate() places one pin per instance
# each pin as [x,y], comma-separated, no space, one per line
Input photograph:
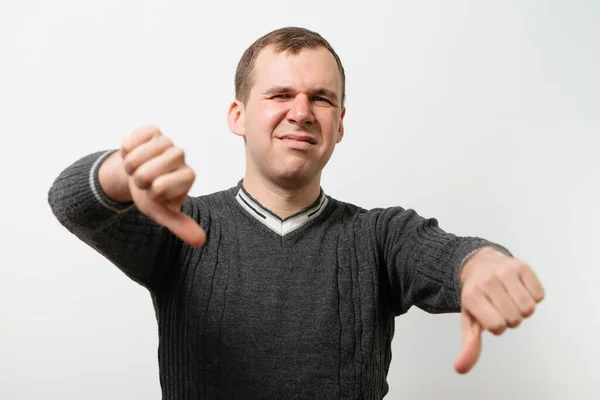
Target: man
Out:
[272,289]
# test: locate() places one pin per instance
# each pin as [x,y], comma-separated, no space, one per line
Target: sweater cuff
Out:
[99,193]
[466,258]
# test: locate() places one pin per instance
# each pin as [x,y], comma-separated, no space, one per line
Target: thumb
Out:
[181,225]
[471,347]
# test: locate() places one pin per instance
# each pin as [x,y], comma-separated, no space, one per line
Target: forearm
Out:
[119,231]
[77,200]
[424,261]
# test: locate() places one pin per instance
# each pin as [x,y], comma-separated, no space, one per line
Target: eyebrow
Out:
[288,89]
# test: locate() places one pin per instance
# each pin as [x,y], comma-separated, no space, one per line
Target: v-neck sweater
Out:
[299,308]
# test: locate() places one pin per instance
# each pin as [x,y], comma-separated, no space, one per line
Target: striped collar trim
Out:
[273,222]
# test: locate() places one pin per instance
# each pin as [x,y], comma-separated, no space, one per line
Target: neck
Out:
[282,200]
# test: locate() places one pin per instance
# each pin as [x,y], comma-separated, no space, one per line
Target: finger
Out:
[532,283]
[517,292]
[168,161]
[176,203]
[479,306]
[137,137]
[471,346]
[502,301]
[146,151]
[174,186]
[180,224]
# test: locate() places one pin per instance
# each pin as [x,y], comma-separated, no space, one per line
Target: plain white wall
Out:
[482,114]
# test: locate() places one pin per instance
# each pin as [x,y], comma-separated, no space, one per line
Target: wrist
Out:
[113,179]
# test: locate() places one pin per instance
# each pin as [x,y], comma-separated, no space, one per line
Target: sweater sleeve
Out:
[422,261]
[135,243]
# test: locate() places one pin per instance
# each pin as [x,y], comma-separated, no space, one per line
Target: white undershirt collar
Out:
[273,222]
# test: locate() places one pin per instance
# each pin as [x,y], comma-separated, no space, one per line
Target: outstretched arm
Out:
[121,223]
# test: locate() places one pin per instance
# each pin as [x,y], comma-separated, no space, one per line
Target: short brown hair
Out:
[290,39]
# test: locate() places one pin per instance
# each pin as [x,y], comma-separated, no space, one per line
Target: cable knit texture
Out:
[256,315]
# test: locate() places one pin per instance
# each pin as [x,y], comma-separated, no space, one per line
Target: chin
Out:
[294,178]
[294,167]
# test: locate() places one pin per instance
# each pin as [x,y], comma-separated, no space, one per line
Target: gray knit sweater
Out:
[300,308]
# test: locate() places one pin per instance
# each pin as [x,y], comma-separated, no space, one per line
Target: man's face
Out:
[293,117]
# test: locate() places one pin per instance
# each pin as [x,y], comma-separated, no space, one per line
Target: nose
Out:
[300,112]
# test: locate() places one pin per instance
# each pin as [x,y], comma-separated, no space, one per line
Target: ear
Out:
[236,118]
[340,134]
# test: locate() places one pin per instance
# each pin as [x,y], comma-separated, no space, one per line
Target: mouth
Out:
[299,138]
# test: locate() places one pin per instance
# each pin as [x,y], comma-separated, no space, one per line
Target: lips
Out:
[300,138]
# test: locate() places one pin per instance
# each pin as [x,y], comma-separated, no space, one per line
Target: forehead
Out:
[305,70]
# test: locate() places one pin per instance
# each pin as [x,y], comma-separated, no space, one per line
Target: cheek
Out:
[329,123]
[274,114]
[267,117]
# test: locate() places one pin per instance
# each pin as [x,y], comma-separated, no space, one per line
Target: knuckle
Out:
[157,191]
[187,174]
[520,266]
[165,141]
[150,130]
[524,302]
[514,322]
[540,295]
[490,282]
[142,179]
[129,165]
[497,328]
[505,273]
[158,187]
[154,130]
[177,152]
[140,134]
[126,145]
[192,174]
[528,310]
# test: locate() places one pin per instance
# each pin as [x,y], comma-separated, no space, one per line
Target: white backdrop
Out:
[484,115]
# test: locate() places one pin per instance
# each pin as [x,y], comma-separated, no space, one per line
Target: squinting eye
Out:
[281,96]
[319,98]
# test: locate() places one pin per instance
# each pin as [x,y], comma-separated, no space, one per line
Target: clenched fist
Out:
[498,293]
[152,172]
